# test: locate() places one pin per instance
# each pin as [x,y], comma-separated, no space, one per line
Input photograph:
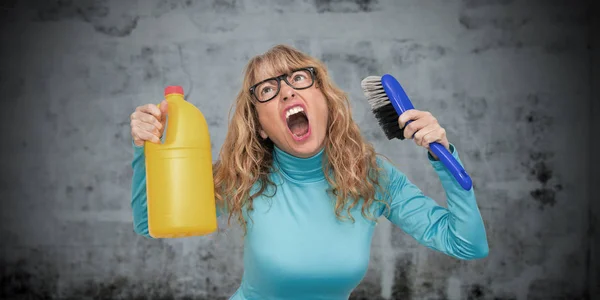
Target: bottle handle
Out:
[163,137]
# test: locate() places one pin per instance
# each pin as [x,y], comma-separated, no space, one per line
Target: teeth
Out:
[293,110]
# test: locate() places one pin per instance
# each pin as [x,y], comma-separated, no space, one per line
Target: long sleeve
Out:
[138,192]
[457,231]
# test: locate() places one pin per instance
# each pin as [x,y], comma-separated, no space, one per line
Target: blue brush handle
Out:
[402,103]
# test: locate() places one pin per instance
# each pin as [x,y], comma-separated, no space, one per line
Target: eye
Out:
[266,90]
[299,77]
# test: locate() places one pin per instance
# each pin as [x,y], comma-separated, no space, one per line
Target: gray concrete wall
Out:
[594,265]
[509,80]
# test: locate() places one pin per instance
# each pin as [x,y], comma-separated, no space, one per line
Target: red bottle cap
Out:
[173,89]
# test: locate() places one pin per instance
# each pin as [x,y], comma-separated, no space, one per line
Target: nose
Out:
[287,92]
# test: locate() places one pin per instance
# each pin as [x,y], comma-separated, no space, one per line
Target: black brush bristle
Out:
[388,120]
[382,108]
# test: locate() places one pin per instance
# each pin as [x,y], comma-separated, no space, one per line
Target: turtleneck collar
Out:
[300,169]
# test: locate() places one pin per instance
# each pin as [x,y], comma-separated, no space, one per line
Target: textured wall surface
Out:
[509,80]
[594,267]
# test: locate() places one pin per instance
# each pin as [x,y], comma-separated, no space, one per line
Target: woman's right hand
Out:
[148,122]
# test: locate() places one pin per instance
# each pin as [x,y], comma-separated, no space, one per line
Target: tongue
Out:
[298,124]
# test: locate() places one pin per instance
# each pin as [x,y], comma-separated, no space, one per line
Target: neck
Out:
[299,169]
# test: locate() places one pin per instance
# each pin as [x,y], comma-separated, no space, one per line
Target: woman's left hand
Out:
[424,127]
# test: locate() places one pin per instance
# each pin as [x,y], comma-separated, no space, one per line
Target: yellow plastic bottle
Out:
[179,179]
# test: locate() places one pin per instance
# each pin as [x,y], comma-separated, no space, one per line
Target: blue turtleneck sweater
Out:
[297,249]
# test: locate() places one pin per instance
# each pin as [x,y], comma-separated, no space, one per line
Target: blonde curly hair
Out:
[245,159]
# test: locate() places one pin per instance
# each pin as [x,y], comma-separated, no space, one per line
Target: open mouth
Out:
[297,122]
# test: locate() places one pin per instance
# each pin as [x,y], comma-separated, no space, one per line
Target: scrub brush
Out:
[388,101]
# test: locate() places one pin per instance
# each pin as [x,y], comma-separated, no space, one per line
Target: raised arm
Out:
[457,231]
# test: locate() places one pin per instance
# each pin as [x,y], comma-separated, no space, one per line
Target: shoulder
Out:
[391,178]
[388,172]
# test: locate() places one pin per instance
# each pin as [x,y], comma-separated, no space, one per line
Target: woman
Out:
[307,188]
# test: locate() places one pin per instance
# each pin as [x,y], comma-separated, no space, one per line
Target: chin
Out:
[306,152]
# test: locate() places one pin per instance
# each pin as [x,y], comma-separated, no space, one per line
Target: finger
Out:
[431,137]
[413,127]
[147,127]
[164,107]
[147,118]
[431,134]
[426,131]
[408,115]
[137,140]
[442,139]
[150,109]
[147,136]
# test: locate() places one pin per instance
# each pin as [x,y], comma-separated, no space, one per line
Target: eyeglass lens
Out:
[269,89]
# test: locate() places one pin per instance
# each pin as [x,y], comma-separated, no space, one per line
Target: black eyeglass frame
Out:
[283,77]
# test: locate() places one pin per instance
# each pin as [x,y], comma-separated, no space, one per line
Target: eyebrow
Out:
[287,70]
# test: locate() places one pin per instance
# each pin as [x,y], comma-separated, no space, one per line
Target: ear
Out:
[263,134]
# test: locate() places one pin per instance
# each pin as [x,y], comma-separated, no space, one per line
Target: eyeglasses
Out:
[298,79]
